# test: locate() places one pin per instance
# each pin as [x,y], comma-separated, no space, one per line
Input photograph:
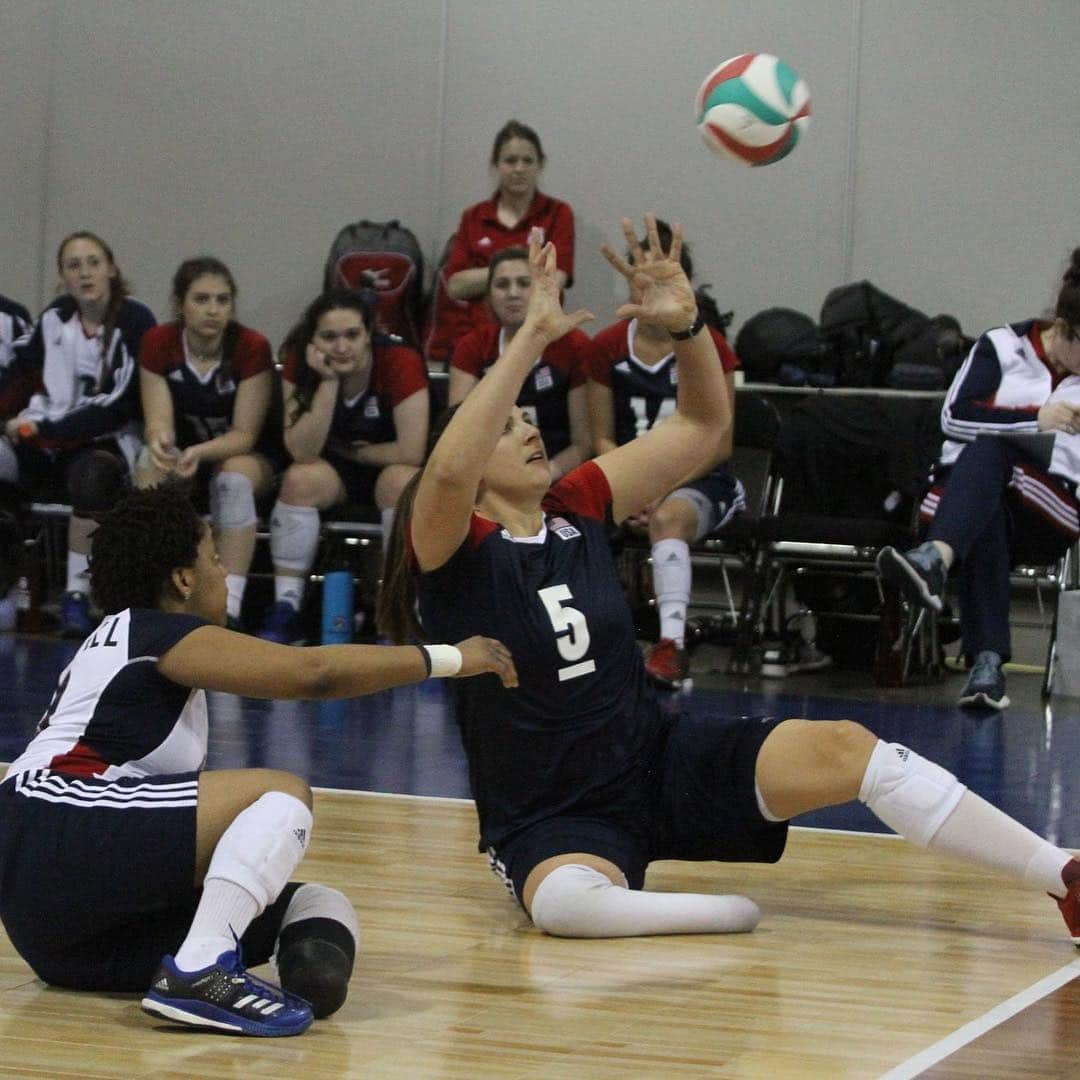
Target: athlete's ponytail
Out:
[1068,301]
[395,612]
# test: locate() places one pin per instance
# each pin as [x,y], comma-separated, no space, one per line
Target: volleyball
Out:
[753,108]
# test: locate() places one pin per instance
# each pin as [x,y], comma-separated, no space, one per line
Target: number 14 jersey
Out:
[575,734]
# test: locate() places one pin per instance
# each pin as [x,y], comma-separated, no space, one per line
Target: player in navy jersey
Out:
[554,394]
[632,386]
[356,424]
[206,384]
[580,779]
[77,438]
[116,849]
[1004,489]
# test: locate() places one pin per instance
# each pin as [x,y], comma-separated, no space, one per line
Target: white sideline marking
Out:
[906,1070]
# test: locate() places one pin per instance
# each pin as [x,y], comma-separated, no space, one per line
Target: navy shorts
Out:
[98,877]
[717,496]
[698,804]
[358,480]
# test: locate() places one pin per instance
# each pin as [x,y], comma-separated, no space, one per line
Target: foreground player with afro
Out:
[580,779]
[125,865]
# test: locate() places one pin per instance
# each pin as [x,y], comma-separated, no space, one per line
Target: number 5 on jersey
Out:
[571,632]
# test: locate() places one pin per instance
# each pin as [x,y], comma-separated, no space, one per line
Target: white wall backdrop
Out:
[941,161]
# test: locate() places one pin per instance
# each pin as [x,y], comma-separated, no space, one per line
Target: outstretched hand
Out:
[660,292]
[480,655]
[544,315]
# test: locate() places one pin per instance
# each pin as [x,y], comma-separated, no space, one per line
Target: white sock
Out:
[981,833]
[290,589]
[577,901]
[294,537]
[78,572]
[235,585]
[671,583]
[224,907]
[253,860]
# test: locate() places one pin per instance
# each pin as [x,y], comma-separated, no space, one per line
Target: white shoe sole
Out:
[896,570]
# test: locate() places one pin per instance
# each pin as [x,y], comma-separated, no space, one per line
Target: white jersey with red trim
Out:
[114,714]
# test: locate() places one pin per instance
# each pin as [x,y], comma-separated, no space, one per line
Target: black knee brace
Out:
[95,481]
[315,960]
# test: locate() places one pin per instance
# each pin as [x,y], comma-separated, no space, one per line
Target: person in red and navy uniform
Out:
[580,778]
[554,395]
[78,437]
[505,220]
[206,384]
[126,864]
[1004,488]
[634,378]
[356,424]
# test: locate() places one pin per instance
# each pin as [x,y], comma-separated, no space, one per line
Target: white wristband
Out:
[445,660]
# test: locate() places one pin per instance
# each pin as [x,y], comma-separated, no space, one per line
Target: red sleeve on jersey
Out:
[604,351]
[584,490]
[460,251]
[399,372]
[290,366]
[561,234]
[471,352]
[252,354]
[727,353]
[160,349]
[570,355]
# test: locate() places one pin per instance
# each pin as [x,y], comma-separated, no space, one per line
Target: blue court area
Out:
[406,741]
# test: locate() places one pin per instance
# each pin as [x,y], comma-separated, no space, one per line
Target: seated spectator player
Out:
[633,384]
[206,384]
[356,424]
[554,395]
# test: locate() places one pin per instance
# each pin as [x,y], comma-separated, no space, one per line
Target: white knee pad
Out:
[261,848]
[232,501]
[294,536]
[912,795]
[9,463]
[577,901]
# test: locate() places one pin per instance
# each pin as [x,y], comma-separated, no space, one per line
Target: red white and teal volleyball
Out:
[753,108]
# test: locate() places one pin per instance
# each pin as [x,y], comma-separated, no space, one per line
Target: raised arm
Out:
[696,435]
[447,490]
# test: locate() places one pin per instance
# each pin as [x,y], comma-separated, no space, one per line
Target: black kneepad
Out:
[316,963]
[95,481]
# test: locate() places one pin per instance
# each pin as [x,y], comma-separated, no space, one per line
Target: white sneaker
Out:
[778,662]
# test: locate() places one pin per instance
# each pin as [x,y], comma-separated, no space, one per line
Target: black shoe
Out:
[919,574]
[985,687]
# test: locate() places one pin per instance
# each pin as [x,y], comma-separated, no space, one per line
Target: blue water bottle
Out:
[337,607]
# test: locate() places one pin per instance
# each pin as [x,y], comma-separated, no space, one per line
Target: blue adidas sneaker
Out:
[282,625]
[226,998]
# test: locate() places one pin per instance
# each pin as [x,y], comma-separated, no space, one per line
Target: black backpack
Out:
[782,345]
[865,327]
[383,256]
[930,360]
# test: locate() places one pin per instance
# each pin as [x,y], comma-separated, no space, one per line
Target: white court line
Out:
[980,1025]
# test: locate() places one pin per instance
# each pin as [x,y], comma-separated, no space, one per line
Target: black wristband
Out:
[686,335]
[427,660]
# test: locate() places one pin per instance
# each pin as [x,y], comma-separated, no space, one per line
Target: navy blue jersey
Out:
[545,393]
[579,726]
[113,713]
[643,394]
[203,403]
[397,372]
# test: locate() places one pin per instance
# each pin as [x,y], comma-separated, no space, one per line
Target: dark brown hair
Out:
[1068,301]
[509,254]
[515,129]
[187,273]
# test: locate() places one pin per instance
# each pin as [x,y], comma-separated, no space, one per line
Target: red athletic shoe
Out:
[1070,906]
[667,664]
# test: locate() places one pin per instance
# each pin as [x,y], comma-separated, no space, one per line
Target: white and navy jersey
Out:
[15,387]
[644,394]
[86,387]
[203,402]
[999,390]
[113,714]
[578,727]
